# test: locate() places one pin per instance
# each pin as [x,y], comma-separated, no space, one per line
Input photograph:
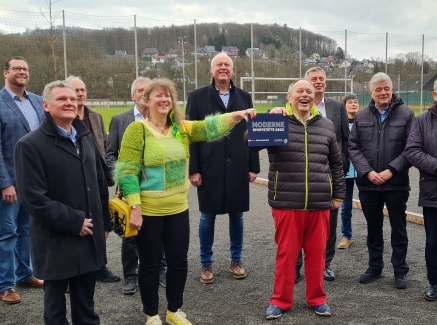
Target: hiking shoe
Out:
[129,285]
[153,320]
[274,312]
[370,276]
[105,275]
[328,274]
[177,318]
[163,279]
[321,310]
[344,243]
[206,275]
[401,281]
[236,268]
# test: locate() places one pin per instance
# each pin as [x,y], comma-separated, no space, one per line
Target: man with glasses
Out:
[20,113]
[93,121]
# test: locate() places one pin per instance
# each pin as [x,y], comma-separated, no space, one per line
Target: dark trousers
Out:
[174,232]
[430,219]
[129,257]
[330,244]
[81,300]
[372,203]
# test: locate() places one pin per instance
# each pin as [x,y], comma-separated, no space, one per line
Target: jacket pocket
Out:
[397,131]
[366,131]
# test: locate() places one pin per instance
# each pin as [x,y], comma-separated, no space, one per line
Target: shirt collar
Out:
[16,97]
[218,90]
[138,113]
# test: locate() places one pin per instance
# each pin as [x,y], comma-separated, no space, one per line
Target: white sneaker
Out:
[153,320]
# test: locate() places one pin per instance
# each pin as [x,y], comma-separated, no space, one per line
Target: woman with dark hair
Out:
[152,171]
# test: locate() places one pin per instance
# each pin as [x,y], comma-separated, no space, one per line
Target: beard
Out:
[18,83]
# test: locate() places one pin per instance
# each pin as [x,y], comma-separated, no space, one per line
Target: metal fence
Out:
[110,52]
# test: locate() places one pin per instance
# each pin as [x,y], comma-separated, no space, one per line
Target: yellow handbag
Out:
[120,216]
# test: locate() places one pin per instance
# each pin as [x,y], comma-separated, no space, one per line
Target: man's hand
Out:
[252,176]
[279,110]
[196,179]
[335,204]
[85,231]
[9,195]
[376,178]
[136,219]
[386,175]
[106,234]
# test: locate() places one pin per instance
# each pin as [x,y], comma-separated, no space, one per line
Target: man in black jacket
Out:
[221,170]
[61,183]
[376,148]
[421,152]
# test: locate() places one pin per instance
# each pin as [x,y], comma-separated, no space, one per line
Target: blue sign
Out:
[268,130]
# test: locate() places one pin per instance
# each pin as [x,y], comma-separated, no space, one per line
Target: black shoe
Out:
[297,278]
[129,285]
[431,293]
[105,275]
[401,281]
[370,276]
[163,279]
[328,274]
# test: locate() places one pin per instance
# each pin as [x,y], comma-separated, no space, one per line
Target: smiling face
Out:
[16,79]
[301,98]
[62,106]
[381,93]
[221,68]
[318,80]
[159,102]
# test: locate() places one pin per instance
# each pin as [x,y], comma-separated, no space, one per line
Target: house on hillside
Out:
[256,53]
[230,50]
[173,53]
[149,52]
[207,50]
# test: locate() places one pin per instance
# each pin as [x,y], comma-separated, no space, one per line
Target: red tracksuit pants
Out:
[297,229]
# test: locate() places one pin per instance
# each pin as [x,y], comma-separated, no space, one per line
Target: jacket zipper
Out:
[276,185]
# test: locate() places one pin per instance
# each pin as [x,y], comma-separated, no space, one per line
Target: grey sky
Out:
[331,18]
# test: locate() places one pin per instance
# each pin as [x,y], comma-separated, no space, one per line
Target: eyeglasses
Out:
[18,69]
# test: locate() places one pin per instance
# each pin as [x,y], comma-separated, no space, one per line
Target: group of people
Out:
[55,187]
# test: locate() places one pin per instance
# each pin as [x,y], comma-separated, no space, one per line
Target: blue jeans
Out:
[206,236]
[346,209]
[14,245]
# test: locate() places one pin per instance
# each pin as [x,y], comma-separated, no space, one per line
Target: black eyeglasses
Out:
[18,69]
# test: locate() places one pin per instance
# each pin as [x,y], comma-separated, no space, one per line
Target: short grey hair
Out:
[47,92]
[435,85]
[379,77]
[133,89]
[314,69]
[290,87]
[222,54]
[75,77]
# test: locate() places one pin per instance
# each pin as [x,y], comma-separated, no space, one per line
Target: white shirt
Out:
[321,107]
[137,114]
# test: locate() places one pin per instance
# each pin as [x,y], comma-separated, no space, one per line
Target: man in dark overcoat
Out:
[61,182]
[221,170]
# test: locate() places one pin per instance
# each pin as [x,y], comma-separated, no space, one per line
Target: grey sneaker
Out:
[129,285]
[163,279]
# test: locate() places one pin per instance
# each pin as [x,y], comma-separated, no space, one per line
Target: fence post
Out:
[421,74]
[195,54]
[300,52]
[386,51]
[136,46]
[345,62]
[64,44]
[251,63]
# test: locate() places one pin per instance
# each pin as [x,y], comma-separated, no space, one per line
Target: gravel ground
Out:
[243,302]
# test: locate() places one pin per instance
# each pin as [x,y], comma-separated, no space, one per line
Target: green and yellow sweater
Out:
[163,186]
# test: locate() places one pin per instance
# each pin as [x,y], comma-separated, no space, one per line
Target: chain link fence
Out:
[108,53]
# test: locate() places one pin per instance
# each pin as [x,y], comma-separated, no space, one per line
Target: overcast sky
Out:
[399,17]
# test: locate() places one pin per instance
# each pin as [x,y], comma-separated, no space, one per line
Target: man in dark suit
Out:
[20,113]
[117,126]
[221,170]
[93,121]
[62,185]
[335,111]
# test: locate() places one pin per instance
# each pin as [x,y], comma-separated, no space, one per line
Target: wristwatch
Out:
[134,206]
